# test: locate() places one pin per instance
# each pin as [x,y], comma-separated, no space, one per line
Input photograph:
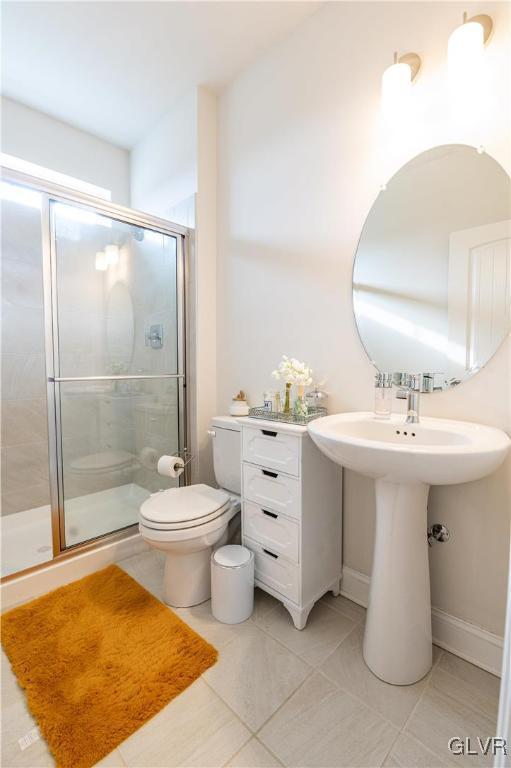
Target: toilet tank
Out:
[227,453]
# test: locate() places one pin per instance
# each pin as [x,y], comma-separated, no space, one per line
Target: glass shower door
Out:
[117,337]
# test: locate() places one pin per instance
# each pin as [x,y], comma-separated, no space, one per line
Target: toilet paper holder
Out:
[175,464]
[186,455]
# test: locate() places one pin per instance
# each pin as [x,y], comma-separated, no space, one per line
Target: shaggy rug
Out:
[97,658]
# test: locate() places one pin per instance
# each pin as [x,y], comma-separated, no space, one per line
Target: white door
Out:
[479,293]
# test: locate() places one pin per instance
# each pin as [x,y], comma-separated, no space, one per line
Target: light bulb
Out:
[112,254]
[101,261]
[466,46]
[396,83]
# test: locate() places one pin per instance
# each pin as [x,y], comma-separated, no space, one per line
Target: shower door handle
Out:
[123,377]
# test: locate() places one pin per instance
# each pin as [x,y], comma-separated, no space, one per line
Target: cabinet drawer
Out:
[271,490]
[275,571]
[271,530]
[273,449]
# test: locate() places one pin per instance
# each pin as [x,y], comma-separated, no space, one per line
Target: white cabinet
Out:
[291,514]
[268,447]
[271,489]
[273,530]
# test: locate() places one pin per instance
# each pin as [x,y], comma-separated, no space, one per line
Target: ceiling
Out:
[112,68]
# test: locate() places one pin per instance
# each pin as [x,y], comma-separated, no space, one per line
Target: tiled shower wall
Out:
[24,438]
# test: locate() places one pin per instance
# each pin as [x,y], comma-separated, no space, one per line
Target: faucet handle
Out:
[399,379]
[407,382]
[411,381]
[383,380]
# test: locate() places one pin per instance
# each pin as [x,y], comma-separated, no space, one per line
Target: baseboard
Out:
[58,573]
[355,586]
[466,640]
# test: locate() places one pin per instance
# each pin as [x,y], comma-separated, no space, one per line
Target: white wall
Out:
[39,138]
[302,155]
[205,279]
[164,161]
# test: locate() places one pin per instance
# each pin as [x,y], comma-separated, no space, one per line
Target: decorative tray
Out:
[289,418]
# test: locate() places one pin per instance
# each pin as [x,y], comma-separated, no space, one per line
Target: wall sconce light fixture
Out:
[112,254]
[467,42]
[397,79]
[101,261]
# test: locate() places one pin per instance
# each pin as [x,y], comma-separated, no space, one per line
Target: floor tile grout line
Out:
[398,734]
[357,621]
[123,761]
[465,703]
[282,644]
[369,706]
[345,638]
[351,693]
[265,722]
[359,699]
[272,753]
[423,693]
[223,701]
[315,665]
[426,688]
[270,610]
[254,738]
[239,750]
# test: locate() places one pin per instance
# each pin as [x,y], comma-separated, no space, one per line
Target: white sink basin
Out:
[405,459]
[435,451]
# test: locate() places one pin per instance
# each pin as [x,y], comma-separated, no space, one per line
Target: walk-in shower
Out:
[93,366]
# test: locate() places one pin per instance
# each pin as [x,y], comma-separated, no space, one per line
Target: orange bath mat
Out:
[97,659]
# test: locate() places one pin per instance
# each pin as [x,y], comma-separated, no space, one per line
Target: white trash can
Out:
[232,584]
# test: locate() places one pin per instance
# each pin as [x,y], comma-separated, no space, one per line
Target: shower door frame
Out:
[55,193]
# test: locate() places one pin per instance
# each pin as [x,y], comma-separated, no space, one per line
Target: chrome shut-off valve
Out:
[438,533]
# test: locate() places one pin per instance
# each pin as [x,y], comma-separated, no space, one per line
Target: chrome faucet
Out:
[409,390]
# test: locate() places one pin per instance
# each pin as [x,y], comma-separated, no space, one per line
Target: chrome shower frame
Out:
[55,193]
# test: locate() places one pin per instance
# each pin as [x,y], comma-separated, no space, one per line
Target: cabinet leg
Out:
[335,589]
[299,615]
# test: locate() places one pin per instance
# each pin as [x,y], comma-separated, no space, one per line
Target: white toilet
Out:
[187,523]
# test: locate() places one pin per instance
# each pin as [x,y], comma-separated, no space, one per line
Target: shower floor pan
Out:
[26,536]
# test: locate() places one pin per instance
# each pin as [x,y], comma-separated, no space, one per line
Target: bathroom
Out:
[165,241]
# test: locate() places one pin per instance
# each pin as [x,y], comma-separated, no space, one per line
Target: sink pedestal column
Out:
[397,642]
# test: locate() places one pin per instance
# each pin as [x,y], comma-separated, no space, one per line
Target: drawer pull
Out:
[269,514]
[269,433]
[271,554]
[269,474]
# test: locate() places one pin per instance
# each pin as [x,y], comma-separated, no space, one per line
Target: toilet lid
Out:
[189,504]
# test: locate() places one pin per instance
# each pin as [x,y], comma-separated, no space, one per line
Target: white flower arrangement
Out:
[292,371]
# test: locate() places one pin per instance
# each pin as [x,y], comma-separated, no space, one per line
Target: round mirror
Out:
[432,273]
[120,326]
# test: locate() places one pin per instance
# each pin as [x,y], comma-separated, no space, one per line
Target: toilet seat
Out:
[181,508]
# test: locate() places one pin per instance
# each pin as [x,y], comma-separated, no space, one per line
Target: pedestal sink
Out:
[405,459]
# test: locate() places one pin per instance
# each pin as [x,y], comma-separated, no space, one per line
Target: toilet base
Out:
[187,576]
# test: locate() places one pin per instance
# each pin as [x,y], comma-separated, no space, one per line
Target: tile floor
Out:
[282,697]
